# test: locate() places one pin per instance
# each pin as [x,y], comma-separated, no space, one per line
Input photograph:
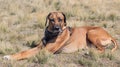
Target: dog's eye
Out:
[59,19]
[51,20]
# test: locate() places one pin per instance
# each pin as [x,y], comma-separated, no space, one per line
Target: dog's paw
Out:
[7,57]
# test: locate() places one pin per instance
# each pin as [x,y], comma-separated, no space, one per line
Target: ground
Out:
[22,27]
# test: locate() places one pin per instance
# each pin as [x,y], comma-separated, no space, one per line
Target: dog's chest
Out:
[50,35]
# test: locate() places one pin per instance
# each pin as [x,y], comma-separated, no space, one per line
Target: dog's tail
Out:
[115,45]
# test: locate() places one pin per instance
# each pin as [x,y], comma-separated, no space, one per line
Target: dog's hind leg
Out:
[99,46]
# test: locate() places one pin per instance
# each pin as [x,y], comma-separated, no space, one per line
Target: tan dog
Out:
[65,39]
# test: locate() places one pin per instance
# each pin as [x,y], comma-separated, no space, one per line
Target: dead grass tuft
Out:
[42,57]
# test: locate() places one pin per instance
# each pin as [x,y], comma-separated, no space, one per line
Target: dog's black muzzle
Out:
[57,29]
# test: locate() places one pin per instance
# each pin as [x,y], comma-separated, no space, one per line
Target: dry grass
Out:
[42,57]
[22,26]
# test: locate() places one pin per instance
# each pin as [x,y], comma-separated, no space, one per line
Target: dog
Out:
[60,37]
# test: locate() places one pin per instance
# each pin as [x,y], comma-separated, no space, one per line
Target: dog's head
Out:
[56,21]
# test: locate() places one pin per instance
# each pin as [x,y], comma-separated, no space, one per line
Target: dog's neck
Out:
[49,35]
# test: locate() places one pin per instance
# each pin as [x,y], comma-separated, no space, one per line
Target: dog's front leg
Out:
[52,47]
[59,42]
[24,54]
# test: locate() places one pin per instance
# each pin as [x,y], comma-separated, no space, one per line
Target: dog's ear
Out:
[64,18]
[47,19]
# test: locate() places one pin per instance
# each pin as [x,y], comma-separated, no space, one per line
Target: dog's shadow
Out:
[31,44]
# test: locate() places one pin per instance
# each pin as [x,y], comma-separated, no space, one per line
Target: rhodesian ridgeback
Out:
[67,39]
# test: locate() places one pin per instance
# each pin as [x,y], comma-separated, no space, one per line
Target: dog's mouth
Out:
[57,30]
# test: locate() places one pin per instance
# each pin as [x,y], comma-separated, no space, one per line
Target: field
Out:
[22,27]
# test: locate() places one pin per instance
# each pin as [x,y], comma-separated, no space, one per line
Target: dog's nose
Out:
[57,28]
